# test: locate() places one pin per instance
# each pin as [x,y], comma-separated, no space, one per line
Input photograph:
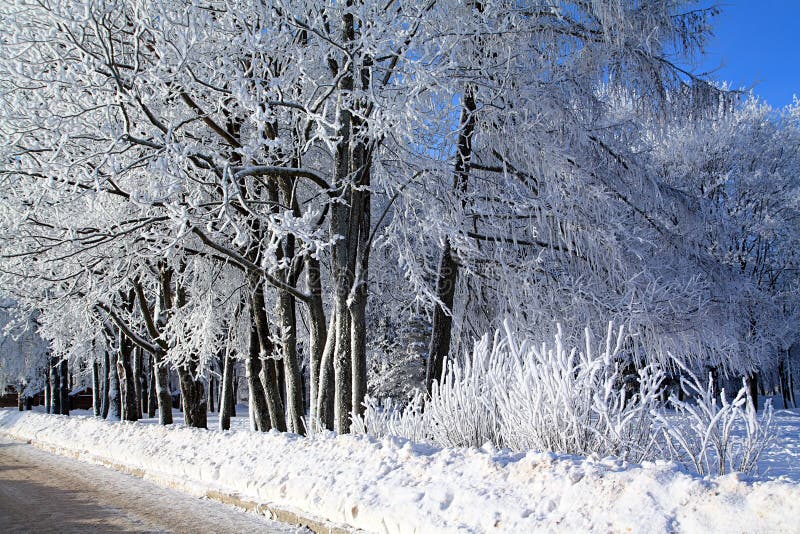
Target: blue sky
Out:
[757,44]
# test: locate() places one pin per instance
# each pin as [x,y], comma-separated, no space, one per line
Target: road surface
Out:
[42,492]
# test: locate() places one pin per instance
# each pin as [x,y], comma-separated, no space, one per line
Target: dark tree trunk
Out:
[48,398]
[143,375]
[193,398]
[152,397]
[105,404]
[28,402]
[64,372]
[234,391]
[317,334]
[55,386]
[162,389]
[211,387]
[267,374]
[127,381]
[137,380]
[259,413]
[20,398]
[447,275]
[226,395]
[751,380]
[114,402]
[96,408]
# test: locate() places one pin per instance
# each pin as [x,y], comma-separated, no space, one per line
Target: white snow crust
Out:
[392,485]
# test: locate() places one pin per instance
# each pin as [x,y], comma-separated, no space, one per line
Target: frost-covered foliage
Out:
[711,434]
[553,397]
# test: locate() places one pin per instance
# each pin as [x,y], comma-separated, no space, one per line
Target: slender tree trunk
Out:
[163,393]
[20,397]
[64,387]
[211,387]
[325,390]
[105,404]
[153,393]
[127,381]
[48,398]
[233,392]
[55,386]
[259,414]
[752,388]
[267,375]
[137,380]
[291,366]
[226,395]
[447,275]
[317,334]
[96,388]
[28,402]
[143,375]
[114,401]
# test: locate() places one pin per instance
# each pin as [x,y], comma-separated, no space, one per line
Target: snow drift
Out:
[393,485]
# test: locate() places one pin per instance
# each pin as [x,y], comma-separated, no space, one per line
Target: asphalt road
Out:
[42,492]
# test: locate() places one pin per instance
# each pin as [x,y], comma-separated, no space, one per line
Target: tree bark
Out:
[259,414]
[114,403]
[127,383]
[226,395]
[55,387]
[751,380]
[64,372]
[193,397]
[137,380]
[447,275]
[267,374]
[105,404]
[153,394]
[96,388]
[48,398]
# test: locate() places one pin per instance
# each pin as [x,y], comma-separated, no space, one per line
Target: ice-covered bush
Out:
[526,395]
[530,396]
[710,437]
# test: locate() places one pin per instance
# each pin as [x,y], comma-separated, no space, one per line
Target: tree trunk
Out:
[48,398]
[291,366]
[226,395]
[259,414]
[317,335]
[28,402]
[64,372]
[193,397]
[325,389]
[20,397]
[162,389]
[267,374]
[143,376]
[751,380]
[211,388]
[96,387]
[105,404]
[127,382]
[447,275]
[137,380]
[55,386]
[153,392]
[114,404]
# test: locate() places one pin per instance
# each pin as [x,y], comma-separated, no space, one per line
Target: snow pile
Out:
[393,485]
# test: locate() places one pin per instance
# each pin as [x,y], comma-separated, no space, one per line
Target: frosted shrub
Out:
[530,396]
[526,395]
[714,438]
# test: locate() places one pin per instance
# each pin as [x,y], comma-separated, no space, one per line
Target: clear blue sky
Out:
[757,44]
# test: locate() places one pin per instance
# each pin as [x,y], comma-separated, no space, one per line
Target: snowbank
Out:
[392,485]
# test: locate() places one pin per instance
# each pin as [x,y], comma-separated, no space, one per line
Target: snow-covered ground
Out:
[392,485]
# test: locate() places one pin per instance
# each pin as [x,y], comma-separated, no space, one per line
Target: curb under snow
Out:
[391,485]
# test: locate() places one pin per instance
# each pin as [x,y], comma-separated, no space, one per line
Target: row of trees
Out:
[284,184]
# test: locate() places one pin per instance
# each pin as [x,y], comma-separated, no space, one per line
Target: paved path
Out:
[42,492]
